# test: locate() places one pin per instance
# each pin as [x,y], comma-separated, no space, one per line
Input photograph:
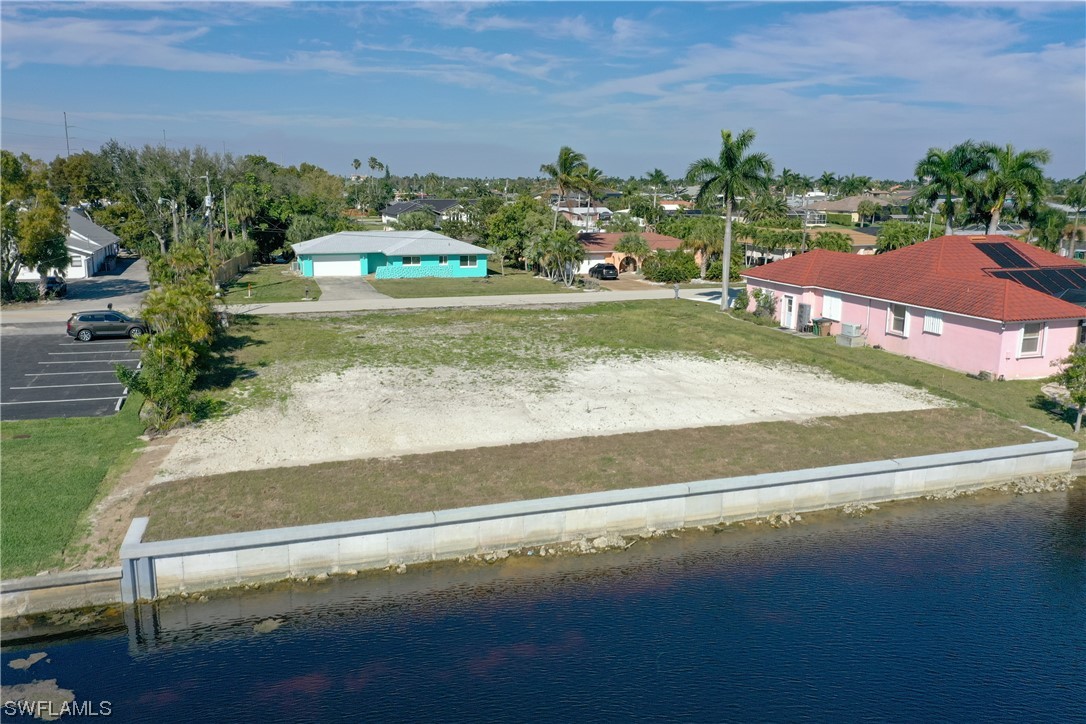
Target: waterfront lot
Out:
[49,374]
[561,383]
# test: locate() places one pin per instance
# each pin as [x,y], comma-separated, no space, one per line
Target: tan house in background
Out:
[600,248]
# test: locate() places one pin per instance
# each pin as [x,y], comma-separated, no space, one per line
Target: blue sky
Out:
[494,89]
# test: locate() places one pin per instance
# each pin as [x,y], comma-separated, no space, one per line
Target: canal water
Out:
[960,610]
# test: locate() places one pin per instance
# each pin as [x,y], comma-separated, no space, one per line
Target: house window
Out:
[933,322]
[897,320]
[831,307]
[1031,339]
[470,260]
[412,260]
[443,260]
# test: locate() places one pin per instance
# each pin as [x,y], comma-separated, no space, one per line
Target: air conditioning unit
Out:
[850,330]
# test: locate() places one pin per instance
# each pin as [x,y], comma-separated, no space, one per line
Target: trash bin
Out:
[823,327]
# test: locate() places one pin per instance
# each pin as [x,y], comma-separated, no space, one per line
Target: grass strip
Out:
[515,281]
[52,472]
[270,283]
[326,492]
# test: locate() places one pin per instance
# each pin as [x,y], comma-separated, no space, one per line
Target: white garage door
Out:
[337,265]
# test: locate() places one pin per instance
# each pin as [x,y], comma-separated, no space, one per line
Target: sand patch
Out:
[367,412]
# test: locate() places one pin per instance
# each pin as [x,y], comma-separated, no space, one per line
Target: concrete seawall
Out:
[74,589]
[154,569]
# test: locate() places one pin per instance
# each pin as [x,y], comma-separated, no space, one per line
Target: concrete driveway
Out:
[123,286]
[345,289]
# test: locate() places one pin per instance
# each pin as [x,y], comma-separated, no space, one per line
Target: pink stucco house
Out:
[971,303]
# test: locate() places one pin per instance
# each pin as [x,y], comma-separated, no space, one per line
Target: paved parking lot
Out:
[46,373]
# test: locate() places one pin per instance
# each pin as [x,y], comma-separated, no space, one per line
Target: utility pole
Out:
[208,202]
[67,144]
[225,214]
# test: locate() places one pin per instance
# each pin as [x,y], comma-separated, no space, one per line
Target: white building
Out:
[90,247]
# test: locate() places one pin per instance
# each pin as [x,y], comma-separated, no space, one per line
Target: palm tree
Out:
[867,208]
[1013,175]
[704,240]
[656,179]
[1076,199]
[633,244]
[827,182]
[733,173]
[949,173]
[762,207]
[356,164]
[565,173]
[592,183]
[788,179]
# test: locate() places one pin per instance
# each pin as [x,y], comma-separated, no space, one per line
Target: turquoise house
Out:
[390,255]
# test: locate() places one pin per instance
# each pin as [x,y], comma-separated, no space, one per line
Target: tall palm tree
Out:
[1013,175]
[788,180]
[733,173]
[565,173]
[657,179]
[827,182]
[1076,199]
[949,173]
[592,183]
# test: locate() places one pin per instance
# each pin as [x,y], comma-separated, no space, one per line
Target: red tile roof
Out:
[606,241]
[949,273]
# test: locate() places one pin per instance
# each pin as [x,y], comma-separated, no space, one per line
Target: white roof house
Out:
[89,246]
[390,255]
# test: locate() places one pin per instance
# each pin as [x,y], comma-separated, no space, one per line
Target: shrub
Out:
[24,292]
[842,219]
[670,267]
[766,304]
[715,271]
[742,300]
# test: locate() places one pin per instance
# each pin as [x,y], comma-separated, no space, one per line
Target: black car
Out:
[55,287]
[603,271]
[85,326]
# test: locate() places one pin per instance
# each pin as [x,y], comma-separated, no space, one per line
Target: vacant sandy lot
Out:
[366,412]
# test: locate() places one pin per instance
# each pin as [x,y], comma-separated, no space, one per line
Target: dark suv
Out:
[604,271]
[85,326]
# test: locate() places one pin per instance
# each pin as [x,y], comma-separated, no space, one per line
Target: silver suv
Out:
[85,326]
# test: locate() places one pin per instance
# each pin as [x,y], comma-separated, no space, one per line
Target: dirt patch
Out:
[365,412]
[111,517]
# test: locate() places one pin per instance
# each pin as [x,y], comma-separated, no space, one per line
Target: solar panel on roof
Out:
[1054,280]
[1003,254]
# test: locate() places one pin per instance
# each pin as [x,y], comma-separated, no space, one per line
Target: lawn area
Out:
[515,281]
[270,283]
[53,471]
[326,492]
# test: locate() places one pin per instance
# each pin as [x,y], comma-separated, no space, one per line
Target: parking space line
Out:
[54,387]
[89,361]
[53,402]
[52,374]
[96,342]
[94,351]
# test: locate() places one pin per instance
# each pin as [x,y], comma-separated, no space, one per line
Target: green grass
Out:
[515,281]
[53,470]
[270,283]
[326,492]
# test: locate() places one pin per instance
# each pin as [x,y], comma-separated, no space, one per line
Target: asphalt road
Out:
[46,373]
